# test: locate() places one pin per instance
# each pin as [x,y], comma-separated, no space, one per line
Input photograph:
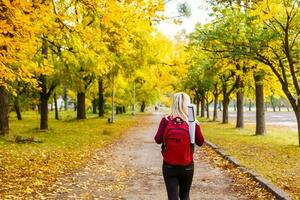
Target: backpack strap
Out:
[166,129]
[168,117]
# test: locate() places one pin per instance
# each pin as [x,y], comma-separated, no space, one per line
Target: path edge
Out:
[266,184]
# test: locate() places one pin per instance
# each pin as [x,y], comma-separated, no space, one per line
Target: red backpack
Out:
[176,148]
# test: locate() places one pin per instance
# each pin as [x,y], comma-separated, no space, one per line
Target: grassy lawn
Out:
[275,156]
[27,168]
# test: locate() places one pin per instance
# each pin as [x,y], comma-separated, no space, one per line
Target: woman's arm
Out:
[160,132]
[199,139]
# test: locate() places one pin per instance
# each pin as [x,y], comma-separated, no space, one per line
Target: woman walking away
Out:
[177,150]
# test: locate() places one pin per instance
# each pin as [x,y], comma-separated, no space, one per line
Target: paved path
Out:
[131,169]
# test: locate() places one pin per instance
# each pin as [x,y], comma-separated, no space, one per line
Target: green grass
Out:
[26,169]
[276,156]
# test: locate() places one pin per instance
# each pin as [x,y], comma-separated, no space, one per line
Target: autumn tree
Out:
[16,48]
[273,38]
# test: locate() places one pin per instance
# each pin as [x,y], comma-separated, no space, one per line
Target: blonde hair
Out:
[179,106]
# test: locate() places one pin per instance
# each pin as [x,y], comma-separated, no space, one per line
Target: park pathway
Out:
[131,169]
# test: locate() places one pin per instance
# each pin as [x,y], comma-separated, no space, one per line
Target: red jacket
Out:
[199,139]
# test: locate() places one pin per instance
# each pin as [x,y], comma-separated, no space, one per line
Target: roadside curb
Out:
[266,184]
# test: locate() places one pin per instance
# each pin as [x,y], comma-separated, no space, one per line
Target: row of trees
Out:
[87,49]
[247,45]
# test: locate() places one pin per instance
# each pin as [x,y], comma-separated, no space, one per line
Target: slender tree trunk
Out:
[273,103]
[220,106]
[297,113]
[65,99]
[197,105]
[234,105]
[17,108]
[216,95]
[143,106]
[207,109]
[44,111]
[4,124]
[56,107]
[225,103]
[202,103]
[260,107]
[250,105]
[101,97]
[225,110]
[94,104]
[75,106]
[81,114]
[123,109]
[113,100]
[44,96]
[240,109]
[215,115]
[133,104]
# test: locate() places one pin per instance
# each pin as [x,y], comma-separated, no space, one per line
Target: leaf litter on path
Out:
[131,169]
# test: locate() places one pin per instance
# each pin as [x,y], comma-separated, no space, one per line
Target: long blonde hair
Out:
[179,106]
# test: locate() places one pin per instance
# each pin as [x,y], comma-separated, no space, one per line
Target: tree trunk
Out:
[240,109]
[101,97]
[44,96]
[297,112]
[220,106]
[4,124]
[81,114]
[123,109]
[207,109]
[44,111]
[225,103]
[260,107]
[250,105]
[113,100]
[202,101]
[197,105]
[75,106]
[56,107]
[216,95]
[234,105]
[17,108]
[94,104]
[143,106]
[133,104]
[215,115]
[117,110]
[65,99]
[225,110]
[273,103]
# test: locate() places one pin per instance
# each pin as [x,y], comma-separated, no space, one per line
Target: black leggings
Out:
[181,176]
